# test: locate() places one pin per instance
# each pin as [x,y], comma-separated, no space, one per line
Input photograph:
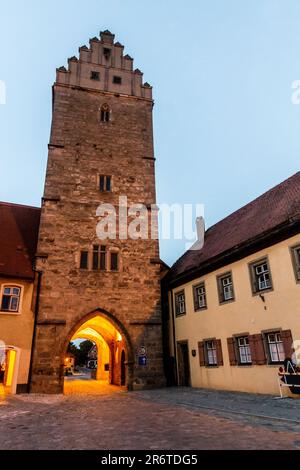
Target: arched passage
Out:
[113,346]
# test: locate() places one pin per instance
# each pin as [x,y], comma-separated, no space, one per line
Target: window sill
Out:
[229,301]
[200,309]
[5,312]
[246,364]
[180,314]
[262,292]
[211,366]
[98,271]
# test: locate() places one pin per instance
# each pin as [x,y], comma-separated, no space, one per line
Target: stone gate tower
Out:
[101,147]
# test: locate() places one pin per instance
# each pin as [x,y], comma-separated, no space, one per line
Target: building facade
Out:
[101,148]
[18,239]
[234,304]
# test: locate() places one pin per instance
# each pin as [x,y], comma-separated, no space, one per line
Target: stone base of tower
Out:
[50,385]
[53,384]
[142,345]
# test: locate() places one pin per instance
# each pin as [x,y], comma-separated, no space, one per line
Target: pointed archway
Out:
[113,345]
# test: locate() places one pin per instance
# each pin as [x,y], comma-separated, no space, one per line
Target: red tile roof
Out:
[275,207]
[18,239]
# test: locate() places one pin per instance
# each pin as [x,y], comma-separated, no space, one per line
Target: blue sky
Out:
[225,127]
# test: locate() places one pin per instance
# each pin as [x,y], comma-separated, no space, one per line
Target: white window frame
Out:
[201,296]
[227,288]
[211,353]
[244,350]
[180,300]
[279,351]
[262,276]
[12,285]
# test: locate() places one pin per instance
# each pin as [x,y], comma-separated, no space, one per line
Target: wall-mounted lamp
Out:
[194,352]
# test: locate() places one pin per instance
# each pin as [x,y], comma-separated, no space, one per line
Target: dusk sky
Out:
[226,129]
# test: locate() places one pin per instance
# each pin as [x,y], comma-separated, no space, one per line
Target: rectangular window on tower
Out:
[117,80]
[114,261]
[95,75]
[84,260]
[105,183]
[99,258]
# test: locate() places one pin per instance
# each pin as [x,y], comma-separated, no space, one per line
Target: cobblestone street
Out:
[109,418]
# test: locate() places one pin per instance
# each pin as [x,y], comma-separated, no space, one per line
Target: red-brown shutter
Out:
[201,353]
[232,351]
[219,352]
[287,340]
[258,355]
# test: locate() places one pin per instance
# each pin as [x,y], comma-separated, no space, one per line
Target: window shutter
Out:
[232,351]
[196,305]
[201,353]
[219,352]
[221,290]
[258,354]
[296,261]
[254,284]
[176,305]
[287,340]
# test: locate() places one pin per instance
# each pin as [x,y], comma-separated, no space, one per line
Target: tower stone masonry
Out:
[101,147]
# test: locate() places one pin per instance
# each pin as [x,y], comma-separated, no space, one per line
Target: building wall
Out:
[82,148]
[16,328]
[247,314]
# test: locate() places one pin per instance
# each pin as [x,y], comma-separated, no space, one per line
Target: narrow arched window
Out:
[105,113]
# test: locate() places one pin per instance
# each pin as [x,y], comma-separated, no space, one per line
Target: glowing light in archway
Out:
[111,349]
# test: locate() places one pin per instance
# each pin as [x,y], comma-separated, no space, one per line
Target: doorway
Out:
[9,366]
[183,364]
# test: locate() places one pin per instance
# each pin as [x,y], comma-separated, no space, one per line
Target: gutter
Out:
[36,312]
[174,338]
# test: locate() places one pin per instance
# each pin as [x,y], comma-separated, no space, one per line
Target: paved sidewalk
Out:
[255,408]
[169,419]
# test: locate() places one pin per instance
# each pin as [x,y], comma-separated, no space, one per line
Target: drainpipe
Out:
[174,338]
[36,312]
